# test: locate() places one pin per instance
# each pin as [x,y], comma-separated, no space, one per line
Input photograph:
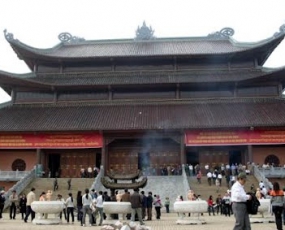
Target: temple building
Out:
[143,103]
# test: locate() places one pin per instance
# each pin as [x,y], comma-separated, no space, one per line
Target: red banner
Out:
[49,141]
[250,137]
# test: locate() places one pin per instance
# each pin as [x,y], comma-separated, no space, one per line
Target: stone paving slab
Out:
[167,222]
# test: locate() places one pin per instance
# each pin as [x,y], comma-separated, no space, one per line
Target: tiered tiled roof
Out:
[227,113]
[46,81]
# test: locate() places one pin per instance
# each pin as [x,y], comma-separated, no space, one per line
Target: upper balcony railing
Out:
[273,172]
[13,175]
[27,178]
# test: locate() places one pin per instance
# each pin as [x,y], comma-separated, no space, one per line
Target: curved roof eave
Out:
[21,48]
[7,78]
[259,43]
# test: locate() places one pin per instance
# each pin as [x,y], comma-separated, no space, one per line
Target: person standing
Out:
[31,197]
[13,198]
[144,205]
[149,206]
[70,207]
[226,204]
[60,198]
[239,199]
[22,204]
[219,204]
[99,207]
[277,202]
[199,176]
[79,206]
[126,198]
[69,184]
[55,184]
[209,176]
[2,202]
[167,204]
[211,205]
[136,205]
[86,201]
[191,169]
[157,205]
[43,198]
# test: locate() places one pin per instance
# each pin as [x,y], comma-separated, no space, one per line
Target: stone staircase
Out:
[205,190]
[44,184]
[165,186]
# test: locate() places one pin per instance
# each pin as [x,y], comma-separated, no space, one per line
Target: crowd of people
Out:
[163,170]
[232,202]
[89,203]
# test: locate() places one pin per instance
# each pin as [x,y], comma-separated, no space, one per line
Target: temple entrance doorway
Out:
[235,157]
[98,160]
[143,160]
[54,165]
[192,158]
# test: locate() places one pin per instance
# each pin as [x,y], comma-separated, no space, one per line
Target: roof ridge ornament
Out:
[66,37]
[8,36]
[281,31]
[223,33]
[144,33]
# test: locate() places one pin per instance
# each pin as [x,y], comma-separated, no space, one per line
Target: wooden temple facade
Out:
[142,103]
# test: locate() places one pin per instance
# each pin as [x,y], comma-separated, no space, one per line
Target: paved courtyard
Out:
[167,222]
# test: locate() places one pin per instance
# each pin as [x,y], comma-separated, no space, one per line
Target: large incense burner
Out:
[115,181]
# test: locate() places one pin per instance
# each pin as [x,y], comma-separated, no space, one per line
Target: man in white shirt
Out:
[191,170]
[207,167]
[239,198]
[220,178]
[31,197]
[209,176]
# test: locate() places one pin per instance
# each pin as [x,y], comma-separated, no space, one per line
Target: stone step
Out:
[204,190]
[166,186]
[44,184]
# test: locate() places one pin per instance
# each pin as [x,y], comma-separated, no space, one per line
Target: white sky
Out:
[37,23]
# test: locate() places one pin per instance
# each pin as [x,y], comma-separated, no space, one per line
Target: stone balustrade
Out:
[20,185]
[193,207]
[12,175]
[45,209]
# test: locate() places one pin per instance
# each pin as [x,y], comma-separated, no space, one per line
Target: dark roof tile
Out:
[194,115]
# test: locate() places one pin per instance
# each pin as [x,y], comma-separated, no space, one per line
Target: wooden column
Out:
[182,149]
[249,153]
[39,156]
[103,155]
[13,96]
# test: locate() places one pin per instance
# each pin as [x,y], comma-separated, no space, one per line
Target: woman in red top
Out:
[277,202]
[211,206]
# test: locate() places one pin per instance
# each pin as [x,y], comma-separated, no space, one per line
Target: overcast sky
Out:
[37,23]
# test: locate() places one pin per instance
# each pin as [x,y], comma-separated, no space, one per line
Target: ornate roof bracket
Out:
[8,36]
[144,33]
[223,33]
[281,31]
[66,37]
